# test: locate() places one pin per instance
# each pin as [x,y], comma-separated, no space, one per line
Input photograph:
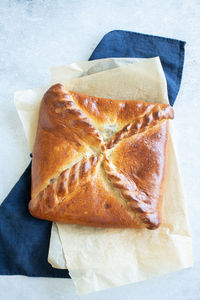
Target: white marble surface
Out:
[36,35]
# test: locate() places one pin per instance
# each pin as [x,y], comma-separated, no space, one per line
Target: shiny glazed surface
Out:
[99,162]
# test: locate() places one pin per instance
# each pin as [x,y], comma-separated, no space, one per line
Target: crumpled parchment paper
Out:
[100,258]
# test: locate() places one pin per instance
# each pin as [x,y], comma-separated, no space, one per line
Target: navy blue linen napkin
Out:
[24,240]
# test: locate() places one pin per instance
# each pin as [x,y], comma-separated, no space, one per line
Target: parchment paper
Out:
[101,258]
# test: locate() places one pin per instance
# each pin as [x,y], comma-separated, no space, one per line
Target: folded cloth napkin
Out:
[120,43]
[24,240]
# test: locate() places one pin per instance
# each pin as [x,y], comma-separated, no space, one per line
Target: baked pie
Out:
[99,162]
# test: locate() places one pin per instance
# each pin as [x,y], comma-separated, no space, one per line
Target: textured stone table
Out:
[36,35]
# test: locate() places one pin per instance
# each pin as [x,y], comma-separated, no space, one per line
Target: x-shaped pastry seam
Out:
[70,178]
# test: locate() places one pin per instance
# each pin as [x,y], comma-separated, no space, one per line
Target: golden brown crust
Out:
[103,112]
[140,183]
[142,123]
[85,202]
[99,162]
